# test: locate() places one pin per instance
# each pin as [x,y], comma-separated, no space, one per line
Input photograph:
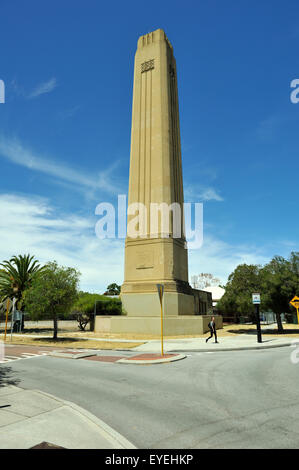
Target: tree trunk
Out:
[55,326]
[279,323]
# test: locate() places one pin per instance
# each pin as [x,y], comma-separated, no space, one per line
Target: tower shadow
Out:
[6,377]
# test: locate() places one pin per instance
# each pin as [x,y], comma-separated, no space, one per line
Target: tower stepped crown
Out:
[155,36]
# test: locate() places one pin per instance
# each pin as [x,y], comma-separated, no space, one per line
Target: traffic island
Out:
[71,354]
[151,359]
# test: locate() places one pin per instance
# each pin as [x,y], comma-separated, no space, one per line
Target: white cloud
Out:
[220,258]
[290,244]
[17,153]
[201,194]
[42,88]
[29,224]
[210,194]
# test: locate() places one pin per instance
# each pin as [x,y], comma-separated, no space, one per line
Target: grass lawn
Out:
[83,339]
[227,330]
[233,330]
[64,342]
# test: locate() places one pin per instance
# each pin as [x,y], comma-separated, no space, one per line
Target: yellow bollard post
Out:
[160,289]
[162,327]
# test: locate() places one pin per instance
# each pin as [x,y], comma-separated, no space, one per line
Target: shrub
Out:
[109,307]
[84,308]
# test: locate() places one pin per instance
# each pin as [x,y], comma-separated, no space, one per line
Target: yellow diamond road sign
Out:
[295,302]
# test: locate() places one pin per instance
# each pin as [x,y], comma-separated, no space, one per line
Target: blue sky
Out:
[65,126]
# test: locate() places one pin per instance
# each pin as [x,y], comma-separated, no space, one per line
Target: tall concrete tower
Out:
[160,255]
[155,251]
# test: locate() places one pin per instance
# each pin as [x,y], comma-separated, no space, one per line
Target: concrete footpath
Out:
[29,417]
[226,343]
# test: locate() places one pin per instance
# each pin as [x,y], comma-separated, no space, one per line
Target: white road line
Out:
[29,354]
[23,356]
[8,358]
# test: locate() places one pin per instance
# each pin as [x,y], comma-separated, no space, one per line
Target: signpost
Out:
[7,307]
[295,303]
[12,316]
[256,300]
[160,289]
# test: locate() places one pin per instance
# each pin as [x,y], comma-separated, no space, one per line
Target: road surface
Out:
[238,399]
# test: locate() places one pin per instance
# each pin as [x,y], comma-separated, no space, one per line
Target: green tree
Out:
[277,281]
[53,291]
[242,282]
[85,306]
[280,282]
[16,277]
[113,289]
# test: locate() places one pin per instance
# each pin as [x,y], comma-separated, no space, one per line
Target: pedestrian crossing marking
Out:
[29,355]
[24,355]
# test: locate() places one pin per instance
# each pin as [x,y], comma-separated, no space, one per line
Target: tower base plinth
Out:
[172,326]
[147,304]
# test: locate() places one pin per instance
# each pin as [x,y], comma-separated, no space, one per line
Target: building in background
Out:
[217,292]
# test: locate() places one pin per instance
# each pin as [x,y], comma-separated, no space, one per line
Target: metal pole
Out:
[94,315]
[258,323]
[12,316]
[7,305]
[11,323]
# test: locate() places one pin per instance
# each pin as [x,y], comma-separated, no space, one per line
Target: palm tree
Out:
[16,276]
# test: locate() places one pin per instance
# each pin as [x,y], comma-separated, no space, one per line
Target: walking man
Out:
[212,326]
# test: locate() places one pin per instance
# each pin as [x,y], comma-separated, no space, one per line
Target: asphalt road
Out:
[240,399]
